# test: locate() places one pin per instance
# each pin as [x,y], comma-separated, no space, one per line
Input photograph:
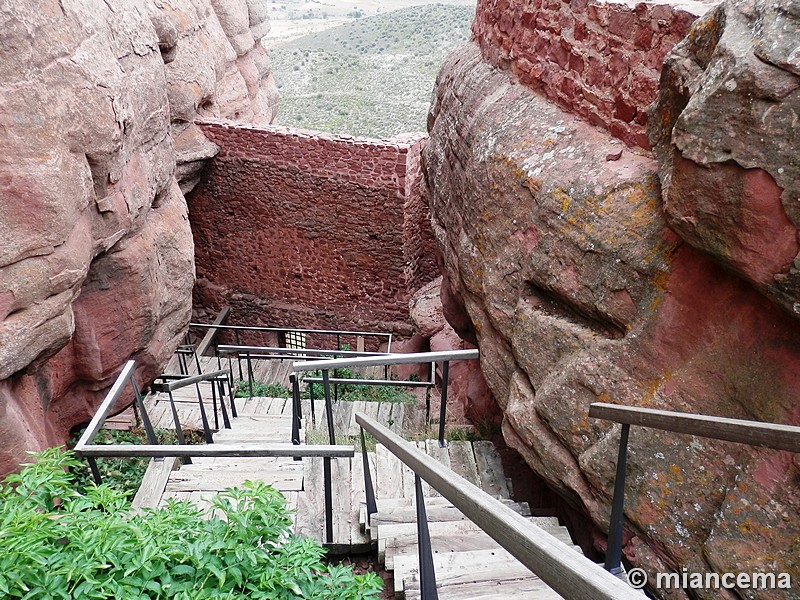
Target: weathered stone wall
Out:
[307,229]
[96,143]
[589,272]
[600,60]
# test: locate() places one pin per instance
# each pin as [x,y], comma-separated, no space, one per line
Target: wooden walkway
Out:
[468,563]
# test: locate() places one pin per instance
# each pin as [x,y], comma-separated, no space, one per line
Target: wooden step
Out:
[435,513]
[464,537]
[490,470]
[310,519]
[530,588]
[461,569]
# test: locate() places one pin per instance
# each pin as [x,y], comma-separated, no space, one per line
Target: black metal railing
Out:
[753,433]
[567,572]
[87,449]
[327,365]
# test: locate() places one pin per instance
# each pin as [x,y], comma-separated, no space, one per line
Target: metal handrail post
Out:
[238,356]
[95,471]
[443,405]
[295,408]
[326,471]
[369,490]
[148,426]
[250,376]
[204,417]
[614,550]
[326,385]
[427,573]
[178,428]
[214,409]
[226,422]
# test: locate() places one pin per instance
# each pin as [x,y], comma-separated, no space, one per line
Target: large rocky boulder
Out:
[97,101]
[560,264]
[726,130]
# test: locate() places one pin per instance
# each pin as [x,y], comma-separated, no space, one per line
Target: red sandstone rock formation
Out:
[561,265]
[96,260]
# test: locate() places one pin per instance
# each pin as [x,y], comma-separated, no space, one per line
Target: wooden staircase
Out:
[468,563]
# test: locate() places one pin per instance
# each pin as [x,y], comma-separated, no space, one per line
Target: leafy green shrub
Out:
[353,391]
[261,389]
[58,543]
[125,473]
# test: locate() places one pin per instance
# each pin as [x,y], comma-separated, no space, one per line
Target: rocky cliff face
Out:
[97,101]
[561,264]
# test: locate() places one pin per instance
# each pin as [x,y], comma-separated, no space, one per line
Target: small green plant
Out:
[242,389]
[56,542]
[354,391]
[123,474]
[461,434]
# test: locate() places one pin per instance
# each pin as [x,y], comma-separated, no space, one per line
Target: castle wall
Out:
[306,229]
[600,60]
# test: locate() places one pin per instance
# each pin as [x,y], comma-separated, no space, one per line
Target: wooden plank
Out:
[153,483]
[398,414]
[456,537]
[359,540]
[558,565]
[441,454]
[310,516]
[530,587]
[443,513]
[460,567]
[389,475]
[462,461]
[753,433]
[342,413]
[343,520]
[217,481]
[353,428]
[490,469]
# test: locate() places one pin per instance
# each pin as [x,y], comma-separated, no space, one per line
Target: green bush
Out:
[353,391]
[58,543]
[124,474]
[261,389]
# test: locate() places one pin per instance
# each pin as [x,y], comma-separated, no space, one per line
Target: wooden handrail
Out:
[567,572]
[262,450]
[753,433]
[208,338]
[386,359]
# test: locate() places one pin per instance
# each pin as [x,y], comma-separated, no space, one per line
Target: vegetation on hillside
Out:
[370,77]
[56,542]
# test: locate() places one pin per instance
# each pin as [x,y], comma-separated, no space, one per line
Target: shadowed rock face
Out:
[561,266]
[96,256]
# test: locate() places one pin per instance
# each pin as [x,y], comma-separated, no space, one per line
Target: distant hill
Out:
[372,76]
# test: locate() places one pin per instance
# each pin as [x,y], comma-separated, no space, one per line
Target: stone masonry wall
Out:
[600,60]
[306,229]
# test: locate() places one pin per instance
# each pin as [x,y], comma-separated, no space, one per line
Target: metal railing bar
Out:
[111,398]
[427,573]
[186,381]
[386,359]
[386,382]
[753,433]
[148,426]
[328,408]
[567,572]
[211,334]
[272,352]
[178,429]
[443,401]
[232,450]
[297,329]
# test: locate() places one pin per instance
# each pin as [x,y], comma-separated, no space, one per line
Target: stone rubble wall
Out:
[309,229]
[600,60]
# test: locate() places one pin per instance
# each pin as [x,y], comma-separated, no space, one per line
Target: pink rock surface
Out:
[560,264]
[726,132]
[96,257]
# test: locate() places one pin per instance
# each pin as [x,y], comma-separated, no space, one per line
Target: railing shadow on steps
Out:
[87,449]
[567,572]
[754,433]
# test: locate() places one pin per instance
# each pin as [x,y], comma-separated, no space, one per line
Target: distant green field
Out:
[370,77]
